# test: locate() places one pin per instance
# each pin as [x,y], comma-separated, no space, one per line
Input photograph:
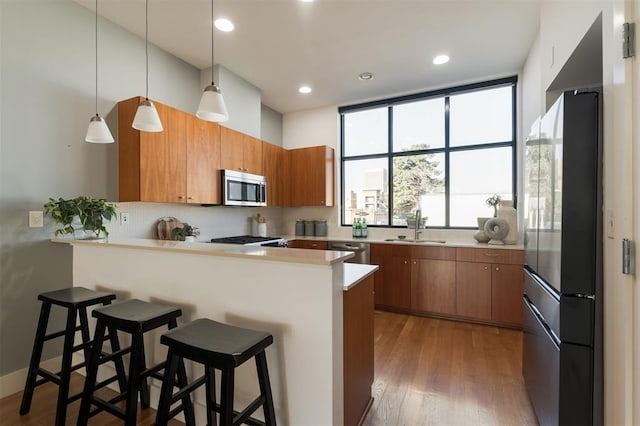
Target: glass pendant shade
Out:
[98,131]
[147,118]
[212,107]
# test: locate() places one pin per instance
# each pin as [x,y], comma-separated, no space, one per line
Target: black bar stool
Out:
[223,347]
[134,317]
[75,300]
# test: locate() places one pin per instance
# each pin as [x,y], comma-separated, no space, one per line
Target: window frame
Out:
[446,149]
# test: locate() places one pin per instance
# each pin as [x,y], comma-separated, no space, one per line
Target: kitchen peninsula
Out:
[303,297]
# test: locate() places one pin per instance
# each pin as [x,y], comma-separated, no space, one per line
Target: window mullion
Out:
[390,165]
[446,162]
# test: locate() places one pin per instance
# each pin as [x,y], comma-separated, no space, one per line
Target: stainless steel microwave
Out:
[243,189]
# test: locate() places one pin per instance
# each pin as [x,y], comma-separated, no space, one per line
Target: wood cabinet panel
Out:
[252,155]
[231,149]
[311,176]
[473,290]
[309,244]
[178,165]
[433,286]
[203,162]
[506,294]
[358,344]
[435,253]
[273,165]
[488,255]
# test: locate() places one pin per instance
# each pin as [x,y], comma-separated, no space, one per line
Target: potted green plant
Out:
[185,233]
[87,212]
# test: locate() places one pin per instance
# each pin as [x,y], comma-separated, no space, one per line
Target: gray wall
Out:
[47,98]
[271,125]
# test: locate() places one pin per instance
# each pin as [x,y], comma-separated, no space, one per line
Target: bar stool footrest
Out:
[188,389]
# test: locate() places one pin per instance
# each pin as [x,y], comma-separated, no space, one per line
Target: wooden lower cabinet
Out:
[474,290]
[433,286]
[309,244]
[507,286]
[471,284]
[358,341]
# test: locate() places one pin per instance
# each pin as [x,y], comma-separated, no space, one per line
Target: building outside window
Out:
[444,152]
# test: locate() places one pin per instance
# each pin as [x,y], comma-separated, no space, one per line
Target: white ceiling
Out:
[278,45]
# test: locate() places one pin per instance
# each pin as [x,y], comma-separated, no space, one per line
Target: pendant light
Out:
[98,131]
[212,107]
[146,118]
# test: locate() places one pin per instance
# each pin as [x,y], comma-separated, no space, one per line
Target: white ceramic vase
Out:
[508,213]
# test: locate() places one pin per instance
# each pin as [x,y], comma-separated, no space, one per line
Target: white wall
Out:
[271,126]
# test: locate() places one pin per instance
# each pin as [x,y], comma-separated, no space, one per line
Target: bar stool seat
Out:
[223,347]
[75,300]
[135,317]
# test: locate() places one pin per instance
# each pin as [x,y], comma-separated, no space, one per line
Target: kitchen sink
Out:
[407,240]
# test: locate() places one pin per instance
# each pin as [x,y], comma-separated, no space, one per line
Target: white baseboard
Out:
[14,382]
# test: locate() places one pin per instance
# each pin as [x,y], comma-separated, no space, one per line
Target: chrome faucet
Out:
[416,236]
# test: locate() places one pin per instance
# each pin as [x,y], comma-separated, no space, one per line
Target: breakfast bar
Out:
[299,296]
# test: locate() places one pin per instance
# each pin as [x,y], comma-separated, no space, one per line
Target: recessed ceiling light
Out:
[365,76]
[440,59]
[304,89]
[223,24]
[306,1]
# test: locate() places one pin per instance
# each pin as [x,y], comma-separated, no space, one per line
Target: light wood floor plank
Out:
[427,372]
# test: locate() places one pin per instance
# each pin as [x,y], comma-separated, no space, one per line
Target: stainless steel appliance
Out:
[248,240]
[243,189]
[562,349]
[361,250]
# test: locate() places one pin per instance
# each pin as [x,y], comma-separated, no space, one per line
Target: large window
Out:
[443,152]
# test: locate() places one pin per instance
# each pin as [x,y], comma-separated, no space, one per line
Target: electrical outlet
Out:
[36,219]
[124,218]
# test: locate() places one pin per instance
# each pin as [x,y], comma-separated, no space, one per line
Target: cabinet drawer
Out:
[435,253]
[309,244]
[487,255]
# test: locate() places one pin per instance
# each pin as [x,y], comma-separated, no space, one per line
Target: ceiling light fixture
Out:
[212,107]
[304,89]
[440,59]
[365,76]
[223,24]
[98,131]
[146,118]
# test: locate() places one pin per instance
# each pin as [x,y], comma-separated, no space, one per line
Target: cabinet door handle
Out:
[492,254]
[189,198]
[486,267]
[405,262]
[415,263]
[314,245]
[180,197]
[497,269]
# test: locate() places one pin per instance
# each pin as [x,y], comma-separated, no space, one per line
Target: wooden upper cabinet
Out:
[240,152]
[252,155]
[311,180]
[273,164]
[152,165]
[203,162]
[177,165]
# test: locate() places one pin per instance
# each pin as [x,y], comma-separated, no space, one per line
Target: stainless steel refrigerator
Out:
[562,346]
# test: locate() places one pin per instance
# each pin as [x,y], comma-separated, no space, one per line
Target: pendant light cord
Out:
[146,44]
[212,30]
[97,58]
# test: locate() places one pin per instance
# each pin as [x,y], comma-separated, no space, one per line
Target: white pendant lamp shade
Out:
[98,131]
[212,107]
[147,118]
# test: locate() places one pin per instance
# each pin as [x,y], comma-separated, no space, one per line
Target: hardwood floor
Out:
[43,409]
[427,372]
[438,372]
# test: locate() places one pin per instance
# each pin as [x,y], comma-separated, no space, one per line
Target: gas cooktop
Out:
[248,240]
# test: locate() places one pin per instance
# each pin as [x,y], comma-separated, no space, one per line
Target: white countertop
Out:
[314,257]
[353,273]
[453,243]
